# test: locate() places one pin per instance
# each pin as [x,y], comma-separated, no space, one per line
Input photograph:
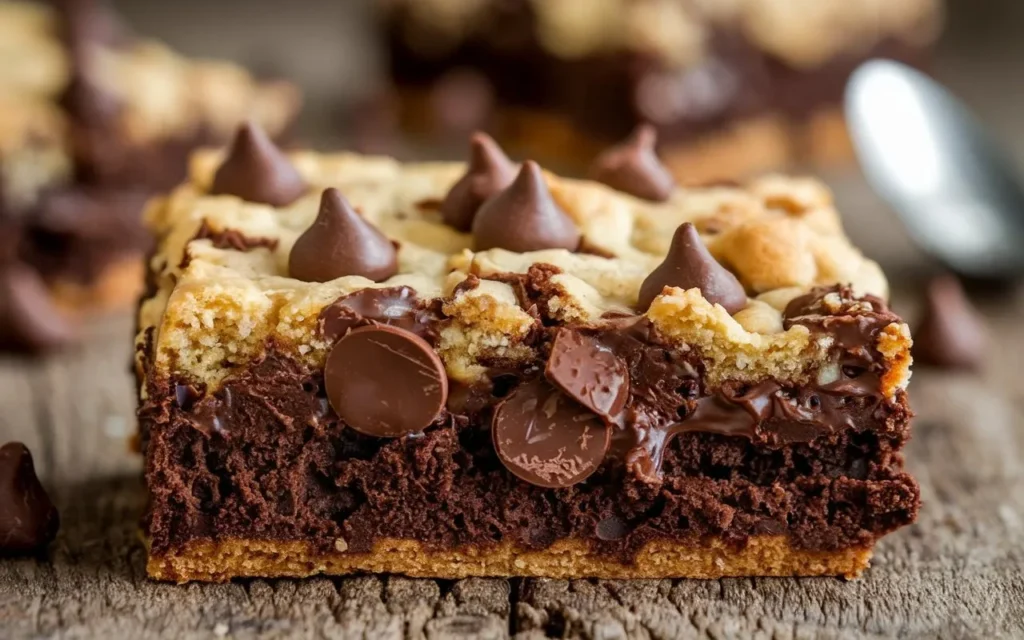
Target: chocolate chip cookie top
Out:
[633,167]
[489,171]
[341,243]
[689,265]
[255,170]
[524,217]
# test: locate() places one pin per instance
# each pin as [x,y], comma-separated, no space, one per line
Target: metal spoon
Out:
[931,160]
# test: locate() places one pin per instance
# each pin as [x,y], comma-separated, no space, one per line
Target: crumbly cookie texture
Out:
[677,31]
[215,309]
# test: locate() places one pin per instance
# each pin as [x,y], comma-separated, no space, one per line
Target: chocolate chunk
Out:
[688,265]
[398,306]
[545,439]
[489,172]
[28,520]
[611,528]
[634,168]
[588,372]
[255,170]
[341,243]
[385,381]
[29,321]
[951,333]
[524,217]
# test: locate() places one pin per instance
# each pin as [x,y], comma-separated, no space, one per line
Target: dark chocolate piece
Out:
[524,217]
[688,265]
[29,320]
[546,439]
[255,170]
[611,528]
[341,243]
[488,173]
[634,168]
[28,520]
[588,372]
[385,381]
[951,333]
[397,306]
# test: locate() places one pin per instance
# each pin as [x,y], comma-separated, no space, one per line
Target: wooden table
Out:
[959,572]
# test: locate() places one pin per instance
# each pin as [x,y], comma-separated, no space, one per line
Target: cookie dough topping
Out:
[633,167]
[489,172]
[689,265]
[524,217]
[341,243]
[257,171]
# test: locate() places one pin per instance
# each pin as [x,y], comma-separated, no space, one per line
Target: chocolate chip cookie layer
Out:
[572,382]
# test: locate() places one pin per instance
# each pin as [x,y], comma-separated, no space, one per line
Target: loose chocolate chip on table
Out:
[545,438]
[489,171]
[634,168]
[951,333]
[29,320]
[341,243]
[385,381]
[588,373]
[28,520]
[524,217]
[688,265]
[255,170]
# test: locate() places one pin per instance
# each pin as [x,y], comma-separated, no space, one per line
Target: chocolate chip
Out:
[384,381]
[546,439]
[28,520]
[688,265]
[611,528]
[951,333]
[588,372]
[29,320]
[524,217]
[255,170]
[341,243]
[634,168]
[489,171]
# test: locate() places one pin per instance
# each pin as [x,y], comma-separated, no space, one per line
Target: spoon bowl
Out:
[925,154]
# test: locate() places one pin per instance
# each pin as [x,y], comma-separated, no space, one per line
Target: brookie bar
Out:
[351,364]
[734,87]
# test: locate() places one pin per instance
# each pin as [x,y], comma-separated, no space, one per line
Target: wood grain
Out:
[957,573]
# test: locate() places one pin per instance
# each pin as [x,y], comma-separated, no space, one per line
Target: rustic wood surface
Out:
[959,572]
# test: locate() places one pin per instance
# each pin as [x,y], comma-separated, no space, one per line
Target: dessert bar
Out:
[351,364]
[92,120]
[733,87]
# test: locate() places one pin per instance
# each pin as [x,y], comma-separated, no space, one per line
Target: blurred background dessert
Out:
[732,86]
[92,119]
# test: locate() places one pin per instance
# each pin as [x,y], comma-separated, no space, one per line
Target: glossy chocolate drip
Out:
[396,306]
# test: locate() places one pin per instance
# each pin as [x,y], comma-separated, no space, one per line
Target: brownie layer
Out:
[266,458]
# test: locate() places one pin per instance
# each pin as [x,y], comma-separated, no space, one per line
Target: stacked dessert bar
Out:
[92,119]
[351,364]
[732,86]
